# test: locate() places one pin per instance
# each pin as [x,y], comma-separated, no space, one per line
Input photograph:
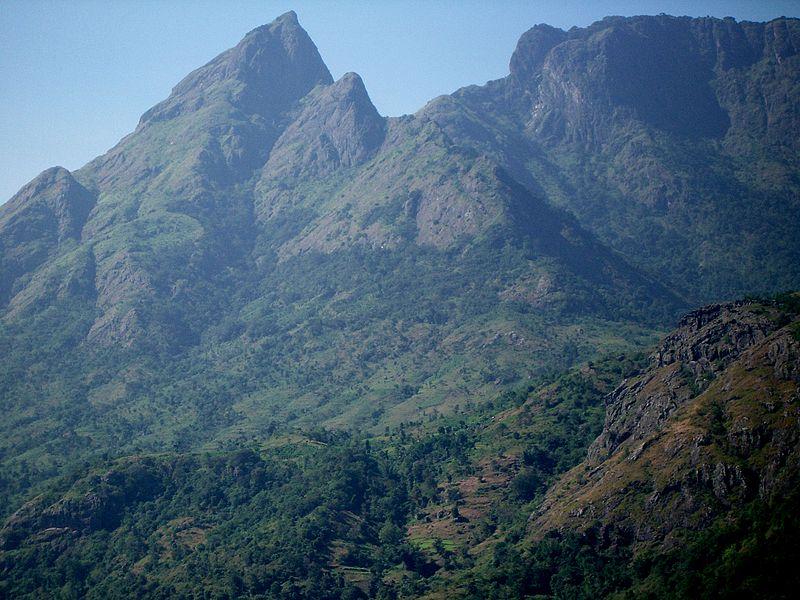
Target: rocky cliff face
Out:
[640,125]
[712,424]
[94,504]
[706,342]
[675,75]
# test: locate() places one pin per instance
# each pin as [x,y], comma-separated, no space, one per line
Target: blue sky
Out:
[75,76]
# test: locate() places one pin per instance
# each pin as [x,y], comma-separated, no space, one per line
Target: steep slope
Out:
[245,257]
[170,216]
[711,425]
[672,139]
[177,185]
[690,489]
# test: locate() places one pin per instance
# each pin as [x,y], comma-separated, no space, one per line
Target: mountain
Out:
[268,285]
[674,140]
[245,255]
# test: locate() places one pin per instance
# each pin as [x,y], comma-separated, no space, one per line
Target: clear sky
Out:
[76,75]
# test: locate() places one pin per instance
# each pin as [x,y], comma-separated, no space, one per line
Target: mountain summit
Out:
[266,246]
[265,74]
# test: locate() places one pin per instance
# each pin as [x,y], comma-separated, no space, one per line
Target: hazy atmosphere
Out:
[436,301]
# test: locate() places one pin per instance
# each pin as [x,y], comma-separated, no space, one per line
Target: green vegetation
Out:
[274,345]
[319,514]
[302,515]
[753,555]
[332,339]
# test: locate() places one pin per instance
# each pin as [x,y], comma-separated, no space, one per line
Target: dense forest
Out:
[434,508]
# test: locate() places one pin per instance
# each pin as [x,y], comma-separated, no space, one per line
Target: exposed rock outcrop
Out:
[39,222]
[712,424]
[267,72]
[93,504]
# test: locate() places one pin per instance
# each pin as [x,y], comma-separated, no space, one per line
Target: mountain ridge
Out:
[267,248]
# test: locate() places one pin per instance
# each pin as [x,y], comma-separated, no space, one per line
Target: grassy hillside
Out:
[490,501]
[307,513]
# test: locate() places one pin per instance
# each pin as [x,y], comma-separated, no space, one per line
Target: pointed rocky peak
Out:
[337,126]
[532,49]
[351,88]
[346,104]
[45,179]
[273,67]
[289,18]
[34,225]
[54,190]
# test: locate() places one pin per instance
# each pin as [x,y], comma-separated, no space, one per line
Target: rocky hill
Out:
[711,425]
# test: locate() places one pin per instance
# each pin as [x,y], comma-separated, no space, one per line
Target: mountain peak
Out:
[532,49]
[284,26]
[288,17]
[37,221]
[271,68]
[53,176]
[352,78]
[338,127]
[351,86]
